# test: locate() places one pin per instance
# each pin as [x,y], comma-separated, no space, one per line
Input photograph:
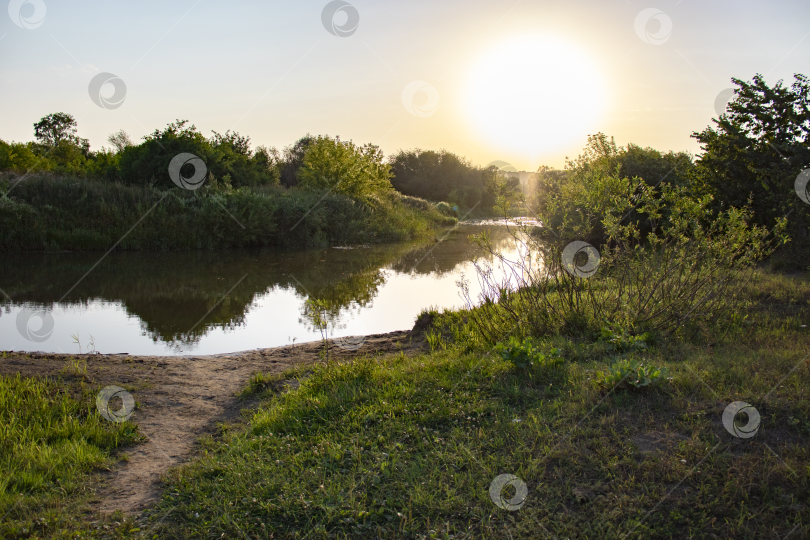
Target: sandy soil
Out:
[182,398]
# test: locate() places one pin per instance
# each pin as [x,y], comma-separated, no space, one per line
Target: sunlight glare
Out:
[532,95]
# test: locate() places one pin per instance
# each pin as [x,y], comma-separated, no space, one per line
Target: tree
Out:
[227,157]
[293,159]
[54,128]
[119,140]
[756,150]
[444,176]
[343,167]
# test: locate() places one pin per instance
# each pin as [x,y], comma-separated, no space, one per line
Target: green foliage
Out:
[630,373]
[756,150]
[434,340]
[527,353]
[227,157]
[679,268]
[579,198]
[623,339]
[342,167]
[44,212]
[445,209]
[443,176]
[57,128]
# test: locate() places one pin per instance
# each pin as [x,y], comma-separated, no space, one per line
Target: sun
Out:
[532,95]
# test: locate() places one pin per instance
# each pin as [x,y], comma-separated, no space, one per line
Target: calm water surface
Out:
[218,302]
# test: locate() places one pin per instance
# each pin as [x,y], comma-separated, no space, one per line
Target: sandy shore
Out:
[182,398]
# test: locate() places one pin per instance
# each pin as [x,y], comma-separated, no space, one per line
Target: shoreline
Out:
[180,401]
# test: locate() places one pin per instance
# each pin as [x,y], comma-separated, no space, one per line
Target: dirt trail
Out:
[180,399]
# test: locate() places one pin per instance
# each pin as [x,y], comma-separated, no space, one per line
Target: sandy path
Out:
[180,399]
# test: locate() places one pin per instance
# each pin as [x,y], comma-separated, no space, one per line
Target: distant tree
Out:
[444,176]
[119,140]
[343,167]
[756,150]
[293,159]
[227,157]
[56,127]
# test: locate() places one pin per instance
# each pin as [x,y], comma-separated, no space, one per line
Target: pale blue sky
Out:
[273,72]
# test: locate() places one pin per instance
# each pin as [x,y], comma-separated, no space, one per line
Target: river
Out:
[165,303]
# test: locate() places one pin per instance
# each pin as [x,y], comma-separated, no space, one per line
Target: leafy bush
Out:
[446,210]
[754,152]
[681,273]
[343,167]
[630,373]
[227,157]
[435,175]
[527,353]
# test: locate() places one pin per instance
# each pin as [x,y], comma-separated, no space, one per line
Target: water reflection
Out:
[241,299]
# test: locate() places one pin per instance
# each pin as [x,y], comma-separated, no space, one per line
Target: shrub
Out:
[343,167]
[446,210]
[681,273]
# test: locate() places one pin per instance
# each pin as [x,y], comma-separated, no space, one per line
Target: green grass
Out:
[46,212]
[401,447]
[407,447]
[50,440]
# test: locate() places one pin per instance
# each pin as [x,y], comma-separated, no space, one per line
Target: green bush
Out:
[681,275]
[446,210]
[49,212]
[227,157]
[343,167]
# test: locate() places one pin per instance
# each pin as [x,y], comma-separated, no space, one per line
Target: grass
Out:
[51,213]
[406,447]
[51,439]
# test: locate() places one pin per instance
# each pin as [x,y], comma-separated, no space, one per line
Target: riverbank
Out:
[179,400]
[45,212]
[408,444]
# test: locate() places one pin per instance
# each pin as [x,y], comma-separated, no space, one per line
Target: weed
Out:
[626,372]
[527,353]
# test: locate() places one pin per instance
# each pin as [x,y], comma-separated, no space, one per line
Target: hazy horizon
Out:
[517,82]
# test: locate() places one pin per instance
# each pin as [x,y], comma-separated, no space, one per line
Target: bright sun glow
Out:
[533,95]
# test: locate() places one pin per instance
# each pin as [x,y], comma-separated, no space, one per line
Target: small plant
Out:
[434,340]
[91,346]
[316,311]
[623,339]
[75,366]
[630,373]
[525,354]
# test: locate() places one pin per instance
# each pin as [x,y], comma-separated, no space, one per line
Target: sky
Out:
[523,82]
